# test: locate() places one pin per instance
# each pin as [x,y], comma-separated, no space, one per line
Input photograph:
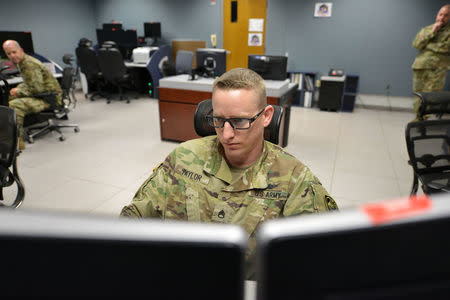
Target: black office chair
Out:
[202,127]
[183,62]
[51,119]
[428,144]
[114,70]
[88,63]
[8,154]
[437,103]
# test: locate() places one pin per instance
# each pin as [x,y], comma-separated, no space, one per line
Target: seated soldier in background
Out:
[235,177]
[36,79]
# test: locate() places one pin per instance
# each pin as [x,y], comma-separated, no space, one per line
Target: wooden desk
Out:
[178,99]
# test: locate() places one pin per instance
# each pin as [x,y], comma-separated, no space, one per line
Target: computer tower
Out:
[330,92]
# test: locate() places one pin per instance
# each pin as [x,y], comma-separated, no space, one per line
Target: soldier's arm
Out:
[307,195]
[34,78]
[423,38]
[23,90]
[150,199]
[442,47]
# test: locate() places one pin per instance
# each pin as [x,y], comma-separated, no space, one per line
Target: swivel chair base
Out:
[50,125]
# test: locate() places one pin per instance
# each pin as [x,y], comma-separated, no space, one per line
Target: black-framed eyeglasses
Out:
[236,123]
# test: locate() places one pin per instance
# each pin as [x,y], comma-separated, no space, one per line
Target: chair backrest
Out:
[155,65]
[8,152]
[67,79]
[183,62]
[8,136]
[434,103]
[111,64]
[87,61]
[202,127]
[428,144]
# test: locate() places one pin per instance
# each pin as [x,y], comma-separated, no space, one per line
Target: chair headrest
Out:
[85,42]
[109,44]
[67,58]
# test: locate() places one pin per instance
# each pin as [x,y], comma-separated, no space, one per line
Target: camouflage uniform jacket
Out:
[194,183]
[36,79]
[434,48]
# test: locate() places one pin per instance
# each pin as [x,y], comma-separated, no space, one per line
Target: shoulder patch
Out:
[331,204]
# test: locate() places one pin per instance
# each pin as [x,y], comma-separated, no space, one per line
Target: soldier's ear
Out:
[267,115]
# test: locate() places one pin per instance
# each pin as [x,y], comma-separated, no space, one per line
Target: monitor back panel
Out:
[79,257]
[343,256]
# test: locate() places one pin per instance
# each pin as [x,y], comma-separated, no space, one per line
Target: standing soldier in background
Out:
[431,64]
[36,79]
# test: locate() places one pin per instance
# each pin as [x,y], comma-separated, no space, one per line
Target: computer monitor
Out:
[152,29]
[126,40]
[373,252]
[24,38]
[100,36]
[112,26]
[68,255]
[269,66]
[214,61]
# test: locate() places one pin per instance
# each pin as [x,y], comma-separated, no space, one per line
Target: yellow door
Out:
[236,32]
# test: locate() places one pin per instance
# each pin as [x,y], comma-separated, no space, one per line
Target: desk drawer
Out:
[177,121]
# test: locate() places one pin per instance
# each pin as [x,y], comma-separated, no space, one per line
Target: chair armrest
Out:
[49,97]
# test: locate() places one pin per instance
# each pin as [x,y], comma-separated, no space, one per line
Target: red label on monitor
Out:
[397,209]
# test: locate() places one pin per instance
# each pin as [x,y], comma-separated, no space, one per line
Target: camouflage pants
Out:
[24,106]
[427,80]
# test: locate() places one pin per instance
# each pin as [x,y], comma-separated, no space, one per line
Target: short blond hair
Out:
[241,78]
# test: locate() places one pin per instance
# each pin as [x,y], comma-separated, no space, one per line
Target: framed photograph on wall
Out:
[255,39]
[323,9]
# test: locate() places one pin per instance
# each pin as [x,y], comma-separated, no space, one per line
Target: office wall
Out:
[180,19]
[370,38]
[56,26]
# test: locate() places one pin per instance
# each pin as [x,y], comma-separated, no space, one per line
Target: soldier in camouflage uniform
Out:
[431,64]
[36,79]
[235,177]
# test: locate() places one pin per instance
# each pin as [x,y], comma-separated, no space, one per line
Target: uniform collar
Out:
[255,177]
[24,59]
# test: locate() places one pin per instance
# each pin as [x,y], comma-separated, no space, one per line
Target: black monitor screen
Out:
[112,26]
[269,66]
[348,256]
[61,255]
[22,37]
[152,29]
[128,38]
[100,37]
[214,61]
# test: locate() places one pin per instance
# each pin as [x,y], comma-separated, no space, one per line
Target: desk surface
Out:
[130,64]
[17,79]
[274,88]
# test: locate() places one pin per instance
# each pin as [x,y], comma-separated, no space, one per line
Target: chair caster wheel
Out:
[76,129]
[62,139]
[30,140]
[128,101]
[108,102]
